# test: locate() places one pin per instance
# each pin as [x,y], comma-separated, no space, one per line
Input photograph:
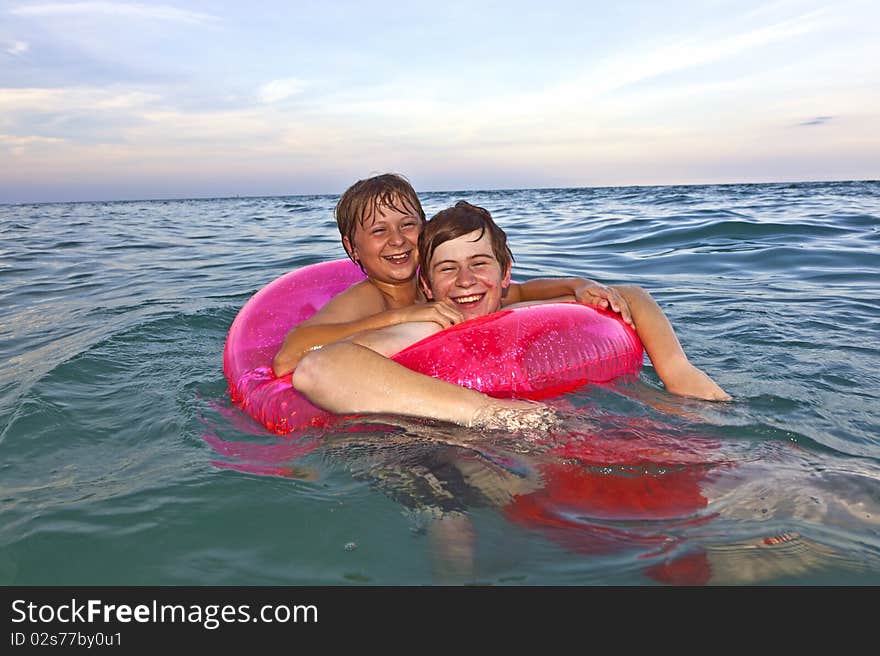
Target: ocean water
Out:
[123,462]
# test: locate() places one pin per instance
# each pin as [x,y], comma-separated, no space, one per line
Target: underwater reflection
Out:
[689,509]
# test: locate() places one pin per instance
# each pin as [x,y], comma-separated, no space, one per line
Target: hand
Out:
[600,296]
[443,313]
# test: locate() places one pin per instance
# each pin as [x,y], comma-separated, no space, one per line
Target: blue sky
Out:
[131,100]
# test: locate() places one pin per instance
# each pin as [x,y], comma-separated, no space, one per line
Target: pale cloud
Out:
[145,118]
[634,67]
[278,90]
[19,146]
[115,9]
[10,140]
[17,48]
[216,127]
[73,99]
[589,106]
[819,120]
[695,53]
[59,119]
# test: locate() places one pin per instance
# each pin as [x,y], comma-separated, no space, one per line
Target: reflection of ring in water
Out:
[623,485]
[629,487]
[590,493]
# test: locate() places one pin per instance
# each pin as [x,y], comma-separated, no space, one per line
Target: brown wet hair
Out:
[454,222]
[361,200]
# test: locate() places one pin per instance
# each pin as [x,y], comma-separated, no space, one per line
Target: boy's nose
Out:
[397,238]
[464,278]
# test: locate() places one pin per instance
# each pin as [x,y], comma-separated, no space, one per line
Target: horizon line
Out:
[433,191]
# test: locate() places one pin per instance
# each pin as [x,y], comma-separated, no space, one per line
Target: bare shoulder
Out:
[512,295]
[358,301]
[393,339]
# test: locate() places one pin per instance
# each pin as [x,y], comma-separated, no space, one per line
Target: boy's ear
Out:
[427,289]
[505,281]
[352,253]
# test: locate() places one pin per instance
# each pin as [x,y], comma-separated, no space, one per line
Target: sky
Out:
[119,100]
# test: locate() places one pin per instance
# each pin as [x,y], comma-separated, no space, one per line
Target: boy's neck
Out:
[400,294]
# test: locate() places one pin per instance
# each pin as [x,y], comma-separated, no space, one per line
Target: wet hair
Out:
[454,222]
[361,200]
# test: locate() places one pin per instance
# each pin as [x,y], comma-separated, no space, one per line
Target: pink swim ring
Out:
[529,352]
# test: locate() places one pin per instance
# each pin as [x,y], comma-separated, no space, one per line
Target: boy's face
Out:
[466,271]
[386,244]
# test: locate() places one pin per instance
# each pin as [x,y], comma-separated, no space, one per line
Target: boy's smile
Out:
[466,271]
[387,246]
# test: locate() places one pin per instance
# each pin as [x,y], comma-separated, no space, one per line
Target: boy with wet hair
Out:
[360,201]
[456,221]
[651,324]
[379,219]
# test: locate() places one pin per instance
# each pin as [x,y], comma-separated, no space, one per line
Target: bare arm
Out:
[347,378]
[679,376]
[637,308]
[394,339]
[584,291]
[355,377]
[356,310]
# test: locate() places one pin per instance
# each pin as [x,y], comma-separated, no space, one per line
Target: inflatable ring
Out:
[528,352]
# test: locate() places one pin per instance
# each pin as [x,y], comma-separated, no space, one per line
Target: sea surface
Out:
[123,462]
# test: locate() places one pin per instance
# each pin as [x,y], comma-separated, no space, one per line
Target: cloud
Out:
[72,99]
[19,146]
[643,65]
[17,48]
[77,115]
[139,11]
[16,141]
[819,120]
[280,89]
[586,106]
